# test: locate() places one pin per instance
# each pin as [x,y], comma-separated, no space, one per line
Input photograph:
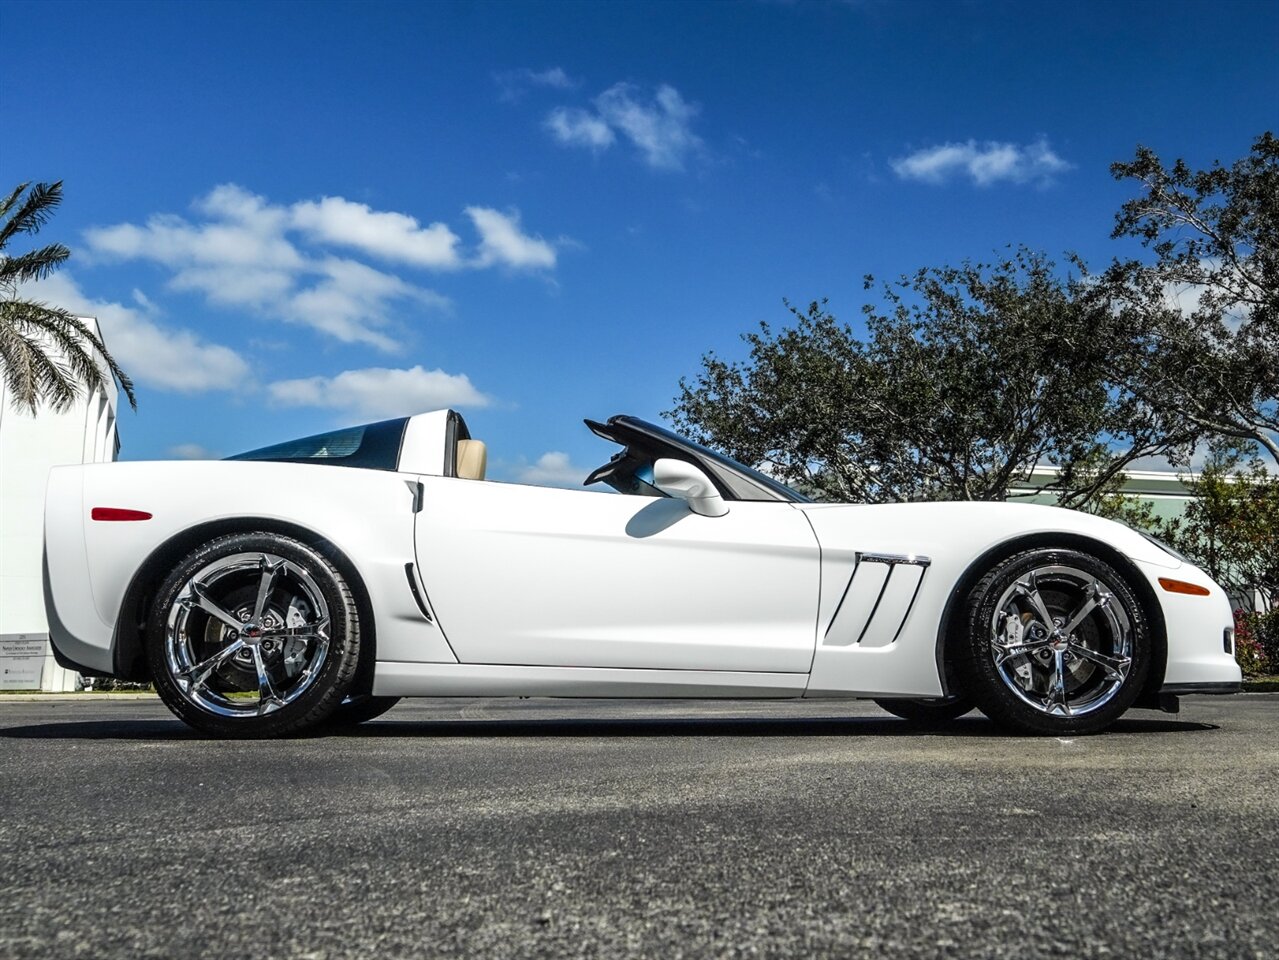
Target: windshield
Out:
[762,479]
[631,470]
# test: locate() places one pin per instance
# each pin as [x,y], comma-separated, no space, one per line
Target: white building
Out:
[1164,491]
[29,446]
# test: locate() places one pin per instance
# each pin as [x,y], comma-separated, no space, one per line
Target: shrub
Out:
[1257,642]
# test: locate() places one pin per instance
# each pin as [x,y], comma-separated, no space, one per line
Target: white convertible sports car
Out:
[318,581]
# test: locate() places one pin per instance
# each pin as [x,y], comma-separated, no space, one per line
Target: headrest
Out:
[472,459]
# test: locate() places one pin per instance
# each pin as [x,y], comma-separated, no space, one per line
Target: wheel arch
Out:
[946,642]
[130,661]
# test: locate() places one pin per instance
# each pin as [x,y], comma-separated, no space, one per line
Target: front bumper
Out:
[1200,657]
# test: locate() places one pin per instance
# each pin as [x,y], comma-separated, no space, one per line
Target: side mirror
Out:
[682,480]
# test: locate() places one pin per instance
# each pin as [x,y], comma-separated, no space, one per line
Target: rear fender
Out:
[130,661]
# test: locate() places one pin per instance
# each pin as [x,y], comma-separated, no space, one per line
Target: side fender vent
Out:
[417,594]
[878,600]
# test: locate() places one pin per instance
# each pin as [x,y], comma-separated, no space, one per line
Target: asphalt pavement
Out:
[663,829]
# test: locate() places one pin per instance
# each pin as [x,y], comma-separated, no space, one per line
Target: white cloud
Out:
[248,254]
[232,202]
[191,451]
[502,241]
[379,392]
[245,232]
[514,84]
[554,77]
[659,127]
[232,285]
[150,353]
[984,164]
[392,236]
[352,300]
[579,128]
[552,469]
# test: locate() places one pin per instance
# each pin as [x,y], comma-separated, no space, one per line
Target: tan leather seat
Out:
[472,459]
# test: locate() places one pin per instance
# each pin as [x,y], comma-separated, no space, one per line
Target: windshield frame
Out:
[648,441]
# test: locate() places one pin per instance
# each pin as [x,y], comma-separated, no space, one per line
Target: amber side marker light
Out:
[1180,586]
[118,513]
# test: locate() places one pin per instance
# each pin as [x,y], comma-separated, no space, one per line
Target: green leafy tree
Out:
[1203,314]
[967,377]
[1231,529]
[1231,526]
[46,354]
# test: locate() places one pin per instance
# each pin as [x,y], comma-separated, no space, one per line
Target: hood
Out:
[979,525]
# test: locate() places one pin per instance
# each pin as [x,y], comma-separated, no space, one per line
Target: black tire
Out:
[1005,652]
[254,605]
[360,708]
[928,711]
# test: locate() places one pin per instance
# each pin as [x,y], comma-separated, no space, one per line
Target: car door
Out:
[540,576]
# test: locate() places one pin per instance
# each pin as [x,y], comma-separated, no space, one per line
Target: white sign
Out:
[22,657]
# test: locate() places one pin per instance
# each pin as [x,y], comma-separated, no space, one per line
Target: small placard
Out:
[22,657]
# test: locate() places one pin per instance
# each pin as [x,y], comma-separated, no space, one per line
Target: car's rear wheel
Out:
[1055,642]
[254,635]
[928,711]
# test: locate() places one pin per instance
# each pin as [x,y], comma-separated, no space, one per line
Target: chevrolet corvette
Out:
[317,581]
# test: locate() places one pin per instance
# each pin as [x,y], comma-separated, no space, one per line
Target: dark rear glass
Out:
[373,446]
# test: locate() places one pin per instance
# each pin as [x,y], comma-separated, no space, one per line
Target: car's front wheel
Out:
[254,635]
[1054,641]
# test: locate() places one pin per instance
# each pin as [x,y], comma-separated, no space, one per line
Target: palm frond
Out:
[121,378]
[82,357]
[35,211]
[33,265]
[71,337]
[46,354]
[31,376]
[7,203]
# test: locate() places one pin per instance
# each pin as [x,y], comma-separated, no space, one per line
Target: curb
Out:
[1261,686]
[68,697]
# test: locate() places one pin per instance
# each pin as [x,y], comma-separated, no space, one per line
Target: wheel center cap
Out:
[251,633]
[1058,643]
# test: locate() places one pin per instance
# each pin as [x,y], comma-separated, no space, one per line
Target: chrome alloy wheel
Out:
[1062,640]
[247,635]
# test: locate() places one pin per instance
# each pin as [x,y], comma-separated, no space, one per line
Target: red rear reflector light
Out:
[1180,586]
[118,513]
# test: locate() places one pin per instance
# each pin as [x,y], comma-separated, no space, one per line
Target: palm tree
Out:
[46,354]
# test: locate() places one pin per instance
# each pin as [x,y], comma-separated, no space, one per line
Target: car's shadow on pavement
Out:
[103,730]
[582,727]
[725,727]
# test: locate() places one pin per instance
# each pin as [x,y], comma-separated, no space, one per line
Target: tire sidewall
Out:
[336,674]
[986,686]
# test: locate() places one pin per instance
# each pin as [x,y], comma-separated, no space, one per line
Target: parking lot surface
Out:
[555,828]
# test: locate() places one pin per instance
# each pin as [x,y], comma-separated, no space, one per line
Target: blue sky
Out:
[289,216]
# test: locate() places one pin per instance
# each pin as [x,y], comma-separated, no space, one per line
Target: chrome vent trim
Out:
[912,559]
